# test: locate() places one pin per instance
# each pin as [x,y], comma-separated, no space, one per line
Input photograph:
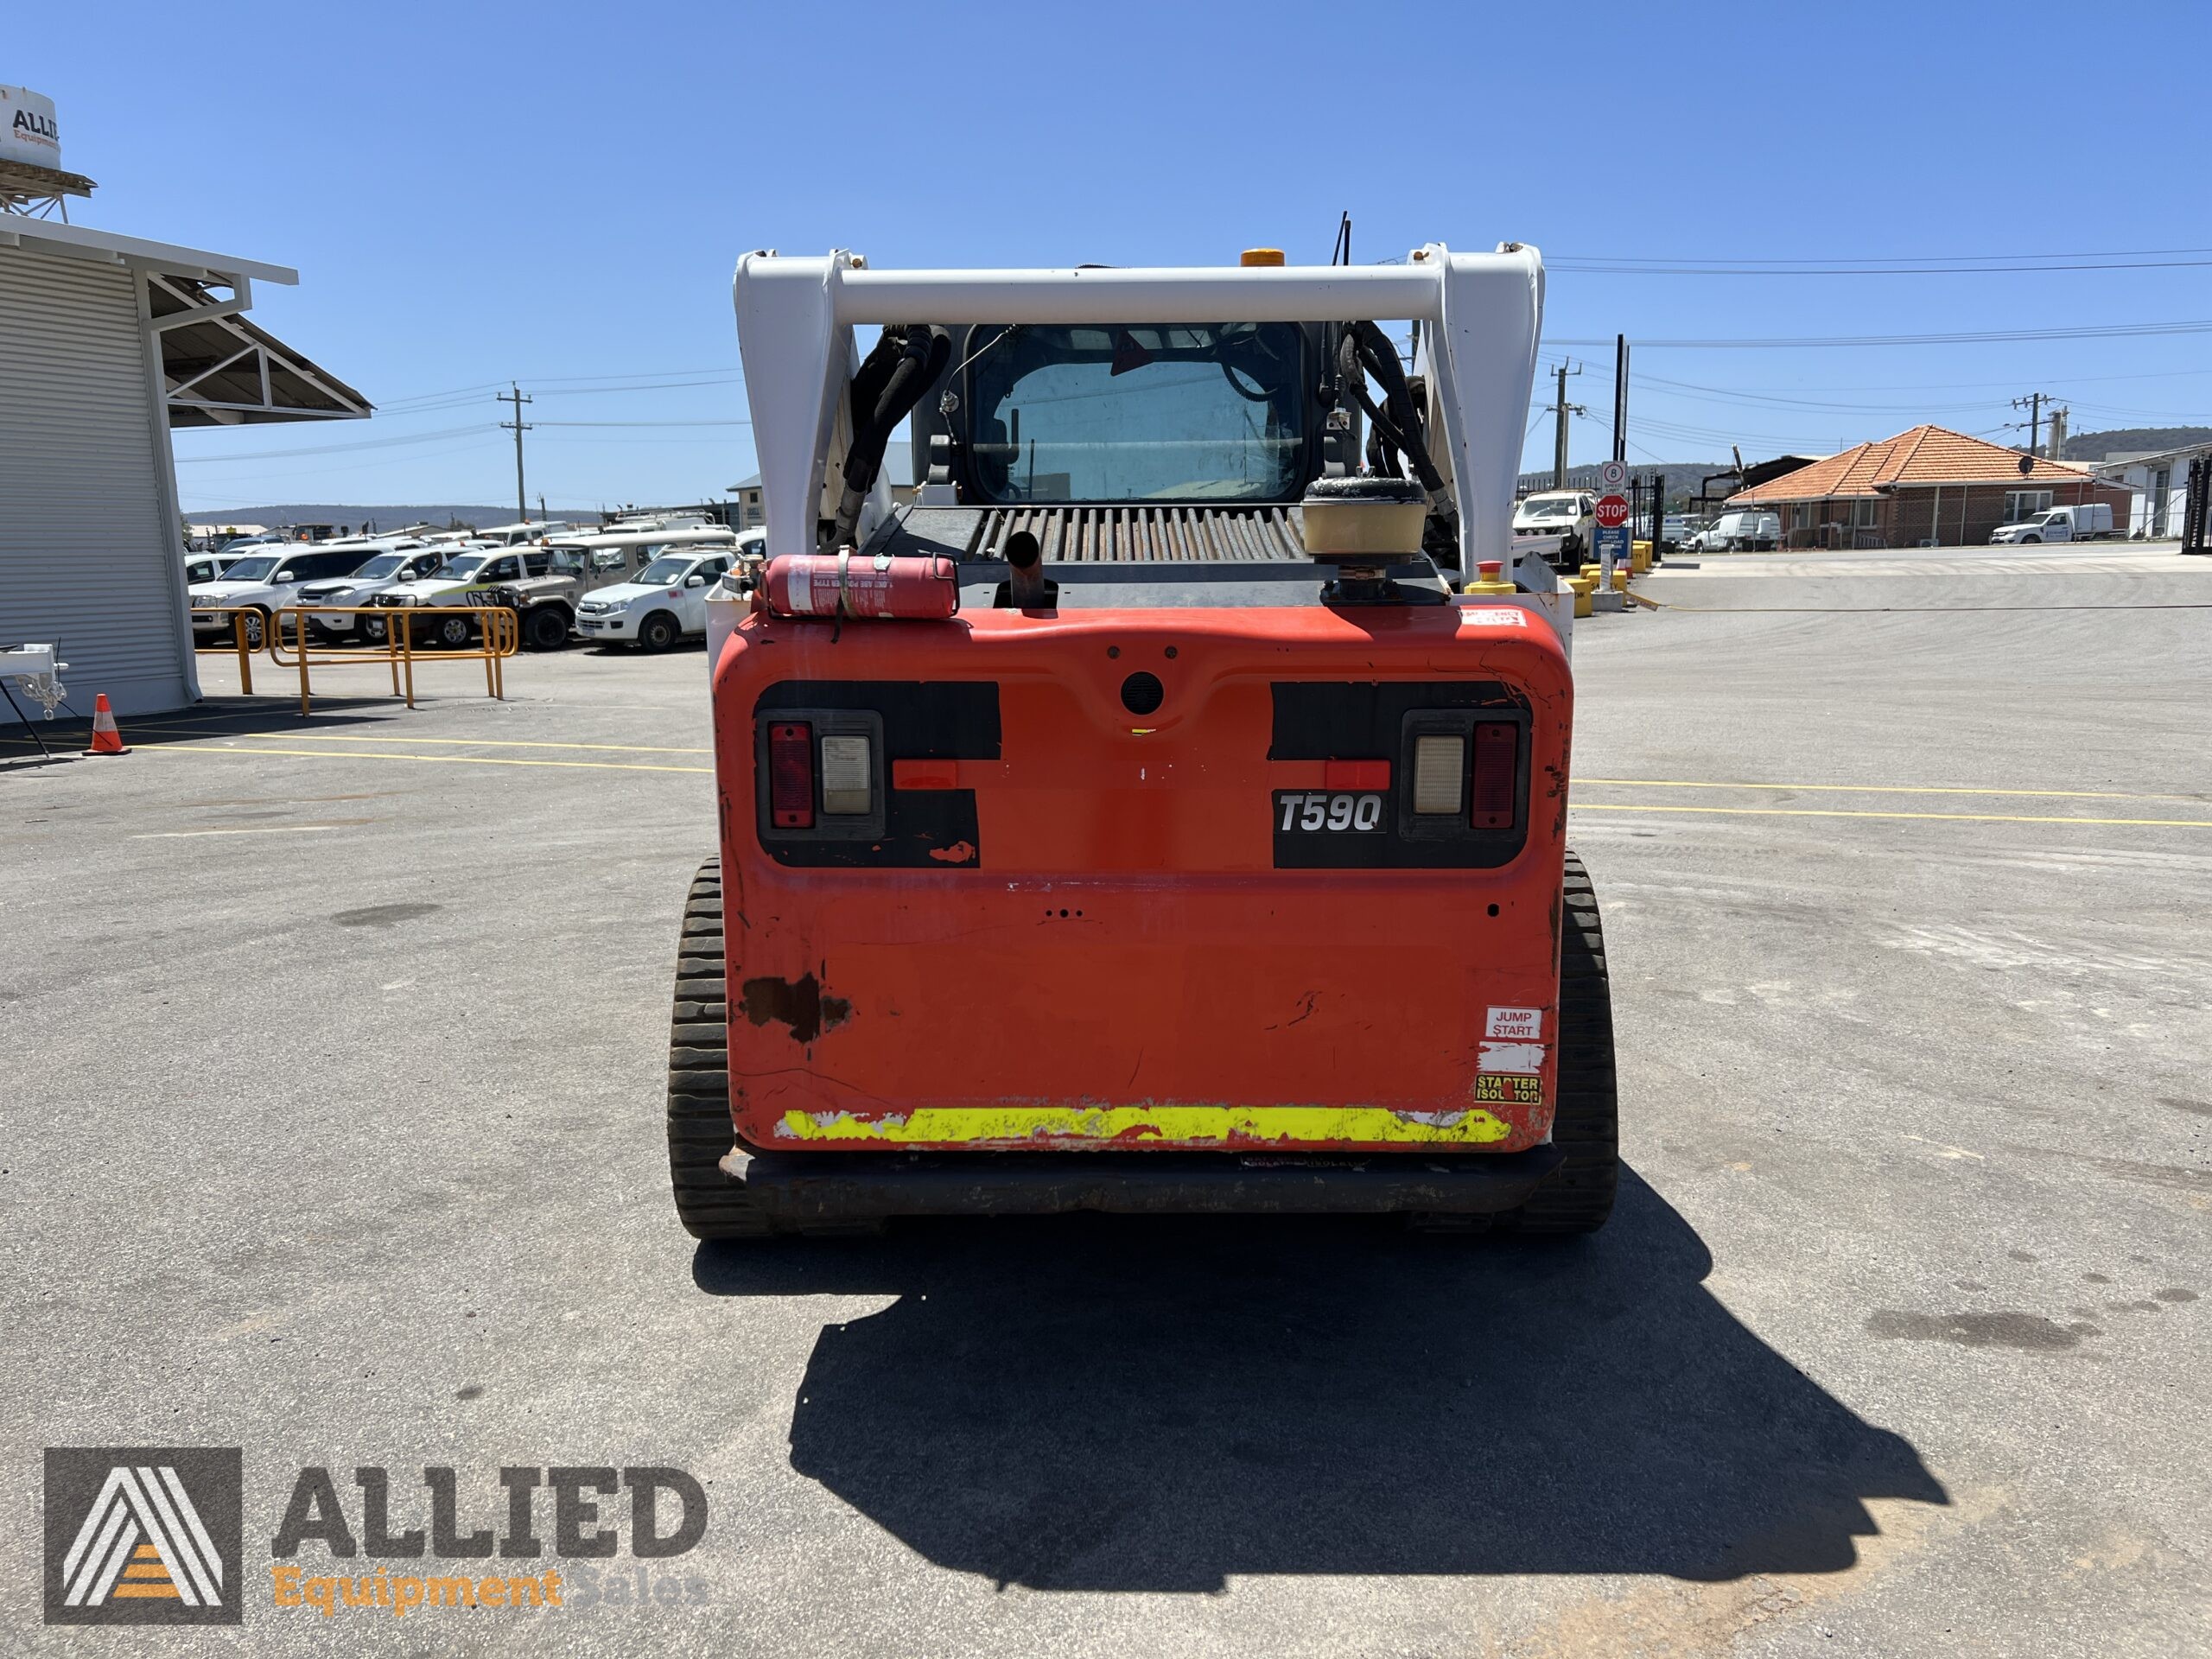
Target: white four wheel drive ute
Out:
[262,583]
[406,560]
[666,603]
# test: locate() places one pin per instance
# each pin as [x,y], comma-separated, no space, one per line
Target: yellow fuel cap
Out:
[1260,257]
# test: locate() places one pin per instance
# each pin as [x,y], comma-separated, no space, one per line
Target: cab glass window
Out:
[1187,412]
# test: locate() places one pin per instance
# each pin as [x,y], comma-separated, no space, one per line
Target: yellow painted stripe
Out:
[1837,812]
[1888,788]
[440,742]
[146,1592]
[432,759]
[1182,1125]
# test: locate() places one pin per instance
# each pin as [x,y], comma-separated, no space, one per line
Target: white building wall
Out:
[87,558]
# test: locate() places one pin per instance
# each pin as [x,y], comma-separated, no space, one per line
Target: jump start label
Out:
[1508,1089]
[1515,1025]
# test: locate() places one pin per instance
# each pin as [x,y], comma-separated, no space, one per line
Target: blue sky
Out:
[558,193]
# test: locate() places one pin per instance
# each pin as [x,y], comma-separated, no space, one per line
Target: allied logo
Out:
[144,1534]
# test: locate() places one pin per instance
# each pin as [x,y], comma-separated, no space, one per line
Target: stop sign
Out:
[1613,511]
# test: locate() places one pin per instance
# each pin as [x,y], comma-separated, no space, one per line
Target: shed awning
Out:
[221,370]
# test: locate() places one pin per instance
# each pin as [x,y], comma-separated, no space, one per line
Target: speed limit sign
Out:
[1613,475]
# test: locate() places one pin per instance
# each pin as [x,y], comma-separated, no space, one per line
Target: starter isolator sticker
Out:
[1504,1089]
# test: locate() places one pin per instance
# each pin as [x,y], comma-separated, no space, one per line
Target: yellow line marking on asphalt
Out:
[431,759]
[1838,812]
[442,743]
[1893,789]
[263,830]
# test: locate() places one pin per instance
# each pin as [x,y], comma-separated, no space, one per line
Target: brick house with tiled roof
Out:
[1929,485]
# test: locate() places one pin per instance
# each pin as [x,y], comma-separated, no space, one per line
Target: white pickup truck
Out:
[2092,521]
[666,601]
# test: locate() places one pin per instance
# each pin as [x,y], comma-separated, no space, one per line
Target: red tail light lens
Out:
[1497,763]
[791,776]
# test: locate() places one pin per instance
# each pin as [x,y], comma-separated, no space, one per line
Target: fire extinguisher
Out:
[850,584]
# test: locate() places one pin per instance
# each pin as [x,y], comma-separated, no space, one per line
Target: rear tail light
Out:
[1498,763]
[1440,763]
[791,776]
[848,776]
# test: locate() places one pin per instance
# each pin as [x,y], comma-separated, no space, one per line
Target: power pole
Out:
[1562,409]
[515,395]
[2033,404]
[2058,419]
[1620,397]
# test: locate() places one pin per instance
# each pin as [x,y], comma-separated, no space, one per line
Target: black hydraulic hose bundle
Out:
[1395,428]
[890,381]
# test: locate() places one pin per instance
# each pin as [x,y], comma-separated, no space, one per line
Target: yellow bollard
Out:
[1639,556]
[1620,579]
[1583,587]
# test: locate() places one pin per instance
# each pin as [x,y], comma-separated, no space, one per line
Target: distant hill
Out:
[2132,441]
[359,518]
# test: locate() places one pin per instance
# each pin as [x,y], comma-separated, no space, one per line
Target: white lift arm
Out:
[1481,315]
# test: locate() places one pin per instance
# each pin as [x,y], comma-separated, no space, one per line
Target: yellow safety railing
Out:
[240,644]
[499,638]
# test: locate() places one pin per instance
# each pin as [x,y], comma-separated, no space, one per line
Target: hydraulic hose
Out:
[889,383]
[1396,428]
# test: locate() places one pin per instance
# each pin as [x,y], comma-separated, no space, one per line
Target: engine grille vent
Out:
[1147,535]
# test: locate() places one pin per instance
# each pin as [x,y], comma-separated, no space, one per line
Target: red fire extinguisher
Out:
[853,584]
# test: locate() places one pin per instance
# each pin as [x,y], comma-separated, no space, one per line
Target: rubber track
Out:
[1587,1123]
[710,1204]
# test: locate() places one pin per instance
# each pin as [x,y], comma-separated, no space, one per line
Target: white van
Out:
[1740,530]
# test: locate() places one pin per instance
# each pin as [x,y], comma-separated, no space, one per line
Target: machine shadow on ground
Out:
[1108,1403]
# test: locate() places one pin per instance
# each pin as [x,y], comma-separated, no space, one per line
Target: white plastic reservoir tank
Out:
[27,131]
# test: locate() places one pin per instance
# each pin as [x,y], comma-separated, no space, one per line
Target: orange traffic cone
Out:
[105,739]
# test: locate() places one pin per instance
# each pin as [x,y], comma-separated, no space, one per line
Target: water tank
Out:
[27,132]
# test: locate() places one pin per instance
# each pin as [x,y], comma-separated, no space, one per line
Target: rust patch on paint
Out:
[797,1003]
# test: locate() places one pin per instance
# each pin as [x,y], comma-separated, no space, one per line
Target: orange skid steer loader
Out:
[1160,805]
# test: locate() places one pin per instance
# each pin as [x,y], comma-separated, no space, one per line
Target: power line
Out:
[334,448]
[683,423]
[1992,336]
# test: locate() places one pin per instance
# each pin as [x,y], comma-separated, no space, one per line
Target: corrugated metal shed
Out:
[90,547]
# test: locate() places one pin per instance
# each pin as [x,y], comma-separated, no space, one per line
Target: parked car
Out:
[1674,529]
[205,567]
[541,585]
[404,560]
[1741,531]
[1572,515]
[263,581]
[665,603]
[2090,522]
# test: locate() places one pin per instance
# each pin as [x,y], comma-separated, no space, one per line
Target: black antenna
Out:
[1340,250]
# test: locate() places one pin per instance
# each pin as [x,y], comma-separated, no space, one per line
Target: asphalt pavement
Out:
[331,1132]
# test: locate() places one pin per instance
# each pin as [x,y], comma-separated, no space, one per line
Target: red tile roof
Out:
[1924,456]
